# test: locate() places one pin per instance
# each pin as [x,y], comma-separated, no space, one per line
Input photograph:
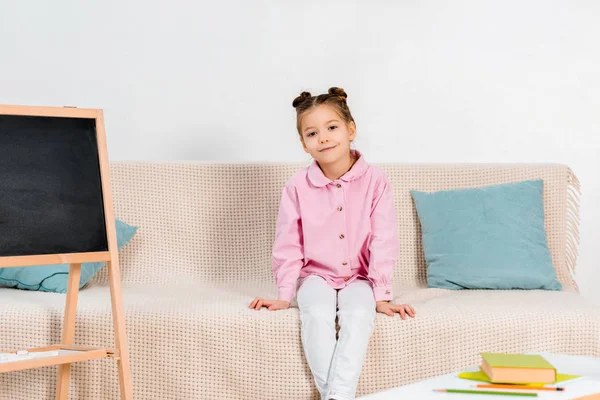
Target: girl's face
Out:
[325,135]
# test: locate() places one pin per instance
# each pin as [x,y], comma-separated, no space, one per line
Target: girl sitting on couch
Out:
[336,244]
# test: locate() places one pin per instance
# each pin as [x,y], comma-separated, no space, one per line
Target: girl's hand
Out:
[385,307]
[271,305]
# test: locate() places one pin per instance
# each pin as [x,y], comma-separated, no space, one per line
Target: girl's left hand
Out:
[385,307]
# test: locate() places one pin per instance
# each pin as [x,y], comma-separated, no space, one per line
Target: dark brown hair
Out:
[335,97]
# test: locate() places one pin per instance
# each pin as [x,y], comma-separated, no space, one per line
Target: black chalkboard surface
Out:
[50,186]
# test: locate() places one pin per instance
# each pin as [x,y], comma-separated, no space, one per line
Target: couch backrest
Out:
[216,222]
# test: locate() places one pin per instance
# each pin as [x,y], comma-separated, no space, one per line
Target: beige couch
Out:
[203,252]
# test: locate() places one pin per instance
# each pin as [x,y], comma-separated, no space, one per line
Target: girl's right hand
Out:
[271,305]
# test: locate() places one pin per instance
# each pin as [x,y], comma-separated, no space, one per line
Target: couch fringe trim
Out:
[572,223]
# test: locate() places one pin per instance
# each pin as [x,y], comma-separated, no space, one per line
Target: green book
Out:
[501,360]
[517,368]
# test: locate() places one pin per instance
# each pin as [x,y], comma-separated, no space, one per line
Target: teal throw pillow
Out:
[491,237]
[53,278]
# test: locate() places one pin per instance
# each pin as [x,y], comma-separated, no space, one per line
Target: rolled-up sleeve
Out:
[384,242]
[288,247]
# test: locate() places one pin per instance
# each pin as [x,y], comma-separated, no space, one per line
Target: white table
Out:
[587,367]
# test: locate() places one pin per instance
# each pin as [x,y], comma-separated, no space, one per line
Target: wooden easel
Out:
[67,352]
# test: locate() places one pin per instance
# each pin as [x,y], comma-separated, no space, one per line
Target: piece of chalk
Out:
[22,352]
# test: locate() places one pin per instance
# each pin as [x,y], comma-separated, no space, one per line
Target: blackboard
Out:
[50,186]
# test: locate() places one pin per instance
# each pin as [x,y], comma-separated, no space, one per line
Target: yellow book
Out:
[481,376]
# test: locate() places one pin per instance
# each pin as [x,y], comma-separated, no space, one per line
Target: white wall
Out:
[428,81]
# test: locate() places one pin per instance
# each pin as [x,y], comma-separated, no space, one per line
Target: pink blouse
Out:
[341,230]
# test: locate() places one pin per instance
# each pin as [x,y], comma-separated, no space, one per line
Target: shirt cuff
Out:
[286,293]
[383,293]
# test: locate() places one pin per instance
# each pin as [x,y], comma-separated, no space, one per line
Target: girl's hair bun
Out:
[298,100]
[336,91]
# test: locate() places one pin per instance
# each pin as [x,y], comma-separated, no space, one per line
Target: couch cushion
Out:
[195,341]
[489,237]
[54,277]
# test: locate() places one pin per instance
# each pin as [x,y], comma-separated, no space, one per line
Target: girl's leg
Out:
[317,305]
[356,314]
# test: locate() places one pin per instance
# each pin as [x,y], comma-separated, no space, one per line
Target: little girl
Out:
[336,244]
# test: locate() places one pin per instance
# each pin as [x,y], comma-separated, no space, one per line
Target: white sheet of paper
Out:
[12,357]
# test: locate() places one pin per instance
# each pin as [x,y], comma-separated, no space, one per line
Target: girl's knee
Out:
[362,314]
[318,313]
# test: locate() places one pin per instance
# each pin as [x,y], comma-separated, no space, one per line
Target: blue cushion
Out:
[491,237]
[53,278]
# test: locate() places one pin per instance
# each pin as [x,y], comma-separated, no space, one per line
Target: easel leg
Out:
[68,333]
[118,312]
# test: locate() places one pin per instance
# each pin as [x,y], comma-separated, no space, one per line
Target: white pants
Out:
[336,366]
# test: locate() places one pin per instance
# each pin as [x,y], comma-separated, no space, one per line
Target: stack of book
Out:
[516,369]
[521,374]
